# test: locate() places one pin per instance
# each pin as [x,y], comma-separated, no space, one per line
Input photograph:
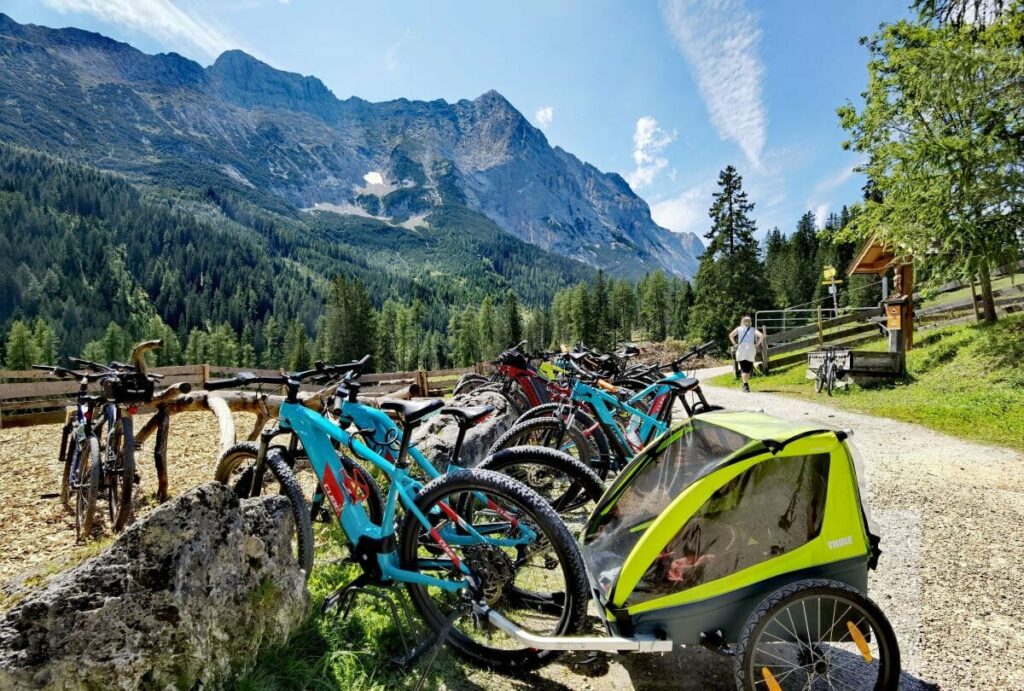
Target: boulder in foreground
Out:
[183,599]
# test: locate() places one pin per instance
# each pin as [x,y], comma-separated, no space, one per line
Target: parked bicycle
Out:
[468,536]
[566,483]
[829,372]
[97,451]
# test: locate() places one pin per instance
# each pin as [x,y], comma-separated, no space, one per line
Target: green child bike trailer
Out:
[749,535]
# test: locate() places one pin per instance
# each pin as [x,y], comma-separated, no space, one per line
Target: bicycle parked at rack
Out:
[97,451]
[566,483]
[466,538]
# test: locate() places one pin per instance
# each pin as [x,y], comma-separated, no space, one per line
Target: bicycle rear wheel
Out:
[540,584]
[547,432]
[87,486]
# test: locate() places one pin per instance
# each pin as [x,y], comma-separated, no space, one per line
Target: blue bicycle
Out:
[617,421]
[468,537]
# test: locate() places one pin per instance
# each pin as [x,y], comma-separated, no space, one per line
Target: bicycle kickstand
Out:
[344,597]
[432,645]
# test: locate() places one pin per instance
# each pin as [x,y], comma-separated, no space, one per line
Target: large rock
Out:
[183,599]
[437,438]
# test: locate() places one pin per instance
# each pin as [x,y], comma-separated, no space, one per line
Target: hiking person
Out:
[746,340]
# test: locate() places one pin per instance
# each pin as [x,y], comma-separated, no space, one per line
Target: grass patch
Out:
[963,380]
[965,293]
[328,653]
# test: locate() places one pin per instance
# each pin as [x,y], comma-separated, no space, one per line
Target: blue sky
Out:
[666,93]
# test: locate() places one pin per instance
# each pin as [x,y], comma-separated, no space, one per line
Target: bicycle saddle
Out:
[469,415]
[412,412]
[682,386]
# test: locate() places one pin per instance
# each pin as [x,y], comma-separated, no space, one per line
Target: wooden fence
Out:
[34,397]
[790,347]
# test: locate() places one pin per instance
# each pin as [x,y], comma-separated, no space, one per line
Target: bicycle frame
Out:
[604,406]
[316,433]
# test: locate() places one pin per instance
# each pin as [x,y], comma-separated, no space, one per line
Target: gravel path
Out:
[951,518]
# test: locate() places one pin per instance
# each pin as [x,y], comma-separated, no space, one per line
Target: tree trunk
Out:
[988,303]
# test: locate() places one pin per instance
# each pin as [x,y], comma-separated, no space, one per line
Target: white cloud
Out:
[838,178]
[649,141]
[544,116]
[821,214]
[392,56]
[720,39]
[686,213]
[161,19]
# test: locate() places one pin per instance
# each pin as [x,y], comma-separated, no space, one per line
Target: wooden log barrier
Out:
[223,404]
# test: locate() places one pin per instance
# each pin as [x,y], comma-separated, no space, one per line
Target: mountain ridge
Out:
[288,135]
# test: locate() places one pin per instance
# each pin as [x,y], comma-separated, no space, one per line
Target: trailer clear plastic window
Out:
[646,488]
[769,509]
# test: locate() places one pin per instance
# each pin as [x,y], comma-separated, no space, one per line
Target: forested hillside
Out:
[82,249]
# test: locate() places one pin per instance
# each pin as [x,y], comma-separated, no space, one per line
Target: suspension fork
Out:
[260,469]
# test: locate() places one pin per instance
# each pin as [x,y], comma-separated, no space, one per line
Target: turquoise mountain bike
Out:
[465,539]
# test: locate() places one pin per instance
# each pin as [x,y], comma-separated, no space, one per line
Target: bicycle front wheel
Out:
[538,582]
[547,432]
[571,488]
[87,486]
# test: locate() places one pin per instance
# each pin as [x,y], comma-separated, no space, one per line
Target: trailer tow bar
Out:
[639,644]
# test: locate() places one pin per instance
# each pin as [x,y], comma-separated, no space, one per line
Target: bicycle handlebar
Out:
[286,378]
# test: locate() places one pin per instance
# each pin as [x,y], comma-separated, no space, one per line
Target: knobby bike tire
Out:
[121,480]
[601,459]
[66,457]
[470,382]
[585,485]
[247,452]
[88,486]
[300,511]
[549,430]
[544,519]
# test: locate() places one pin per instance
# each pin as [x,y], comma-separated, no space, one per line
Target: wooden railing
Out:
[789,347]
[33,397]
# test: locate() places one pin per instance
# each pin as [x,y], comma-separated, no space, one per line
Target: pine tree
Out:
[195,348]
[272,356]
[22,352]
[488,331]
[730,280]
[45,340]
[603,333]
[732,229]
[512,318]
[246,347]
[654,302]
[297,347]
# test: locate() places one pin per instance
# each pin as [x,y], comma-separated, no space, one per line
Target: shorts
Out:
[746,366]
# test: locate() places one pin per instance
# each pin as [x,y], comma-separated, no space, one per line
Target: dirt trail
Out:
[38,535]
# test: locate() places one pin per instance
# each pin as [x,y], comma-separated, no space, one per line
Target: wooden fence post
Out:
[422,383]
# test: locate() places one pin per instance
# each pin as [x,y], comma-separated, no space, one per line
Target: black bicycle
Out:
[829,372]
[97,449]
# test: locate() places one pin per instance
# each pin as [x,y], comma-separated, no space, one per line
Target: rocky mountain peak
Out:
[249,82]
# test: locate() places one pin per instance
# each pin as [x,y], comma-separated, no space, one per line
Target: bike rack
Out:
[638,644]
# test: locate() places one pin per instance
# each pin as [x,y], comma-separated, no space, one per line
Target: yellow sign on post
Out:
[893,317]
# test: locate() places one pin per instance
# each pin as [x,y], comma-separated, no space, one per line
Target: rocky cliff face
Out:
[159,116]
